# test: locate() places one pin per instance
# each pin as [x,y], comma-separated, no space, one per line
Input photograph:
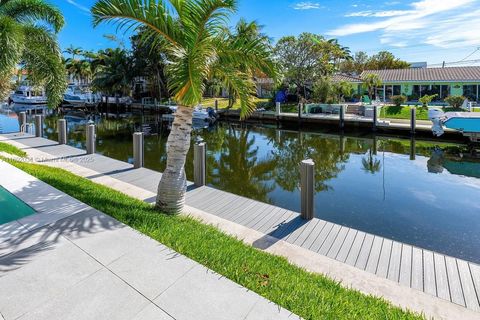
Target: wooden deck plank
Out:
[306,232]
[276,212]
[222,210]
[475,271]
[323,238]
[290,226]
[308,241]
[441,277]
[337,244]
[347,245]
[234,213]
[252,212]
[272,224]
[374,256]
[245,220]
[364,254]
[468,286]
[405,276]
[417,269]
[297,233]
[355,249]
[384,260]
[455,284]
[395,260]
[216,202]
[429,282]
[317,243]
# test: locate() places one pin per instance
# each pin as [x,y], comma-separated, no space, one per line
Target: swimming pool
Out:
[12,208]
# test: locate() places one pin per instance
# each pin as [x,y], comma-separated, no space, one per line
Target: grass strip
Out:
[312,296]
[8,148]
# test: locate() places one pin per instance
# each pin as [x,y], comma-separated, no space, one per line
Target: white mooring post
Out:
[342,116]
[307,183]
[39,125]
[23,121]
[375,118]
[91,139]
[413,120]
[62,131]
[278,107]
[138,150]
[199,164]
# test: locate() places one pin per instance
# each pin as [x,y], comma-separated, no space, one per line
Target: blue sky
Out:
[419,30]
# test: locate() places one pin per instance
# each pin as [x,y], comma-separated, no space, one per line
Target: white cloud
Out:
[79,6]
[442,23]
[306,5]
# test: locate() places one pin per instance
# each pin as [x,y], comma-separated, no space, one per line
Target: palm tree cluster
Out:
[28,31]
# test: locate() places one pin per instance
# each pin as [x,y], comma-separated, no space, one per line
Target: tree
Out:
[198,47]
[399,100]
[115,72]
[370,82]
[426,99]
[342,90]
[28,31]
[380,61]
[323,90]
[455,101]
[74,51]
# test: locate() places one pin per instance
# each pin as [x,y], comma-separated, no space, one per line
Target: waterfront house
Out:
[417,82]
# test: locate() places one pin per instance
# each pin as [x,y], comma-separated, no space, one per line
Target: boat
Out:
[468,123]
[28,95]
[207,115]
[79,97]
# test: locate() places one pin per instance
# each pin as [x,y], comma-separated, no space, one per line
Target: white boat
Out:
[200,114]
[78,96]
[28,95]
[468,123]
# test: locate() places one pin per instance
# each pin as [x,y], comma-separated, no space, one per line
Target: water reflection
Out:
[413,191]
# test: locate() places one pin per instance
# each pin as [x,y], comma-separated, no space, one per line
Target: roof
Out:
[345,77]
[456,74]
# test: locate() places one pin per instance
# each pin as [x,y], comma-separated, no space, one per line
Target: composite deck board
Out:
[384,259]
[405,275]
[468,286]
[362,259]
[456,291]
[355,249]
[429,285]
[417,269]
[441,278]
[436,274]
[395,260]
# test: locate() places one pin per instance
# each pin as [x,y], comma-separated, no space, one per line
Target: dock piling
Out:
[91,139]
[307,183]
[278,107]
[413,120]
[375,118]
[39,125]
[216,105]
[62,131]
[199,164]
[138,150]
[23,121]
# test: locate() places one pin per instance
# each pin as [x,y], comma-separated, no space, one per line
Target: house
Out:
[417,82]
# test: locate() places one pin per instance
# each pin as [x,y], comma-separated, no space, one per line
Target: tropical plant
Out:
[371,81]
[28,31]
[74,51]
[426,99]
[342,90]
[199,48]
[399,100]
[115,72]
[455,101]
[323,90]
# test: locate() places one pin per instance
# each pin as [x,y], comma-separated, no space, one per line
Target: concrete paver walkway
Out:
[70,261]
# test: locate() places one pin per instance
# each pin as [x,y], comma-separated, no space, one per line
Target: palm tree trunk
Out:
[173,185]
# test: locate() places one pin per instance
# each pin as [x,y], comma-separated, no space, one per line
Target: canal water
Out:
[423,193]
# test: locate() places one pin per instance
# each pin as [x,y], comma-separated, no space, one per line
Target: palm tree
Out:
[28,31]
[74,51]
[114,73]
[198,49]
[371,81]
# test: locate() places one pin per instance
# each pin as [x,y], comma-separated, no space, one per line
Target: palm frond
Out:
[31,11]
[11,42]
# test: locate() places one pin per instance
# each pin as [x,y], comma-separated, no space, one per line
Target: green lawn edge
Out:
[8,148]
[309,295]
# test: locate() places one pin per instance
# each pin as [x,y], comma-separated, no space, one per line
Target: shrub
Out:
[399,100]
[455,101]
[426,99]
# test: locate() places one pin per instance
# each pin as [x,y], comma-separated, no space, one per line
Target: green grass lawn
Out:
[5,147]
[393,112]
[312,296]
[223,103]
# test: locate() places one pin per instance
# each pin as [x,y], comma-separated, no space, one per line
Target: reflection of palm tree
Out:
[370,164]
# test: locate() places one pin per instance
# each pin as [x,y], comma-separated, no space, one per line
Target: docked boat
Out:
[468,123]
[28,95]
[207,115]
[79,97]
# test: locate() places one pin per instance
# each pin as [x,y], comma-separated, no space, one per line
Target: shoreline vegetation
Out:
[309,295]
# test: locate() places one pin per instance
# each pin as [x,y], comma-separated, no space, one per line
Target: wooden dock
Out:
[448,278]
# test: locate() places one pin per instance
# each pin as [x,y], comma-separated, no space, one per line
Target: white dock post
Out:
[138,150]
[413,120]
[23,121]
[278,107]
[199,164]
[39,125]
[307,188]
[91,139]
[375,118]
[342,116]
[62,131]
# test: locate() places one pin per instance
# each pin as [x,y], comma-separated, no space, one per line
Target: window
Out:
[397,90]
[444,91]
[470,92]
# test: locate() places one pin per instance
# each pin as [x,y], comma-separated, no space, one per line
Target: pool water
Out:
[419,192]
[12,208]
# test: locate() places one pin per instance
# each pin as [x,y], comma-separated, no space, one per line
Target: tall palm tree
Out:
[28,31]
[371,82]
[74,51]
[198,48]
